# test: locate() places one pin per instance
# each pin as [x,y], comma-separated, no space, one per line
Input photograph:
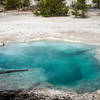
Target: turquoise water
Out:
[51,64]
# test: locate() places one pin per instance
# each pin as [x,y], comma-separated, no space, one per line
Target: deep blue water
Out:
[52,64]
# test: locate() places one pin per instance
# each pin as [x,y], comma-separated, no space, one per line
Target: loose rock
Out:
[47,94]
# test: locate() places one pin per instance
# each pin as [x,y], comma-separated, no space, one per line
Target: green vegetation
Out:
[1,1]
[80,8]
[52,8]
[48,8]
[97,2]
[26,3]
[11,4]
[14,4]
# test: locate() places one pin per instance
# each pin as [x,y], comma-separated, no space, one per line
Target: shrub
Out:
[12,4]
[52,8]
[80,8]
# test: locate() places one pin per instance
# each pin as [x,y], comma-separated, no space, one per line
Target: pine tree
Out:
[52,8]
[26,3]
[12,4]
[97,3]
[80,8]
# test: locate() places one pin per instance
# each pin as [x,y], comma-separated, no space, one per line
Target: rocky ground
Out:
[47,94]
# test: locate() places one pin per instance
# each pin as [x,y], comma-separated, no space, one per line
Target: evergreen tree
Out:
[80,8]
[52,8]
[12,4]
[2,1]
[97,3]
[26,3]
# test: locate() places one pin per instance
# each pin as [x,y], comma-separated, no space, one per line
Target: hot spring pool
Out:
[51,64]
